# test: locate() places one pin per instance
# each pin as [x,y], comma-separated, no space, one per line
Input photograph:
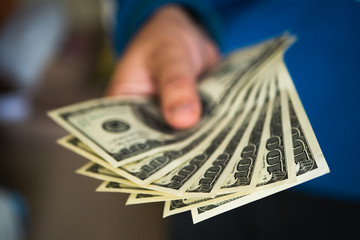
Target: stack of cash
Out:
[254,139]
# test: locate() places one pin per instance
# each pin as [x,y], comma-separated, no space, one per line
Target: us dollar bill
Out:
[97,171]
[308,157]
[180,205]
[140,198]
[108,186]
[206,185]
[277,160]
[122,130]
[74,144]
[270,145]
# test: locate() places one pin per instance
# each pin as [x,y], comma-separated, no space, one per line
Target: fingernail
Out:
[184,115]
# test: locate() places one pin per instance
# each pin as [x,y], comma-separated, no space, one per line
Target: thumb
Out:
[178,93]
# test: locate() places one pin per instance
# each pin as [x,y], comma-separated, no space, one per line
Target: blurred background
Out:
[53,53]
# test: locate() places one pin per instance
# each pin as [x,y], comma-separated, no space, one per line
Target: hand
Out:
[165,58]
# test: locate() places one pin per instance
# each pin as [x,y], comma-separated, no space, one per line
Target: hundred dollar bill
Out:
[210,182]
[270,145]
[74,144]
[97,171]
[277,161]
[177,206]
[308,157]
[108,186]
[122,130]
[139,198]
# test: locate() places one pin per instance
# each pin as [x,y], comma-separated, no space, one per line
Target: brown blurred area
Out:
[6,9]
[62,204]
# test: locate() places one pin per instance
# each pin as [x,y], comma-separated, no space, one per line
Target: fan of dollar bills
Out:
[254,139]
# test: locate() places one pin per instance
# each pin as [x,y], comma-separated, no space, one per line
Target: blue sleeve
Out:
[130,15]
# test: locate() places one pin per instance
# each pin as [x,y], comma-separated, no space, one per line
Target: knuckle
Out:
[176,82]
